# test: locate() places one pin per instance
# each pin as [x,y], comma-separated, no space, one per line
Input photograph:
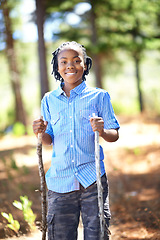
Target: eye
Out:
[63,62]
[77,61]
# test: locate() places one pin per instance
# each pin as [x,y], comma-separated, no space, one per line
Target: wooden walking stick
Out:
[103,225]
[42,186]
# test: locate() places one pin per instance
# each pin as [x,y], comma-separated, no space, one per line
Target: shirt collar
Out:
[59,91]
[77,89]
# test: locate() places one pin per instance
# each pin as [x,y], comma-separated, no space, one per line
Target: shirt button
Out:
[70,130]
[72,160]
[70,116]
[71,146]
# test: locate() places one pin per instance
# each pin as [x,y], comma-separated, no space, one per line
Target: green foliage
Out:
[137,151]
[29,216]
[13,224]
[18,129]
[25,170]
[13,164]
[15,13]
[112,25]
[66,5]
[126,109]
[128,26]
[25,206]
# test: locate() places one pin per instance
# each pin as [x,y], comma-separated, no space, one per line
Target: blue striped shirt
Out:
[73,157]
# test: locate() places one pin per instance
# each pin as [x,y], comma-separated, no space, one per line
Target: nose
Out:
[70,65]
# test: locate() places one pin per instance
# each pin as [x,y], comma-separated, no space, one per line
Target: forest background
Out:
[123,39]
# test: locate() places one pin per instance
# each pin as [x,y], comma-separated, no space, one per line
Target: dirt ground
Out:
[133,168]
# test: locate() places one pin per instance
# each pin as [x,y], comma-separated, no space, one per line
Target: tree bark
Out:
[40,13]
[138,79]
[96,58]
[13,66]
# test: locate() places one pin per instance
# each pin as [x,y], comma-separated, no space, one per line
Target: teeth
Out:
[70,73]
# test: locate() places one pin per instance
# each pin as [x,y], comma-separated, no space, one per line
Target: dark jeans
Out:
[64,212]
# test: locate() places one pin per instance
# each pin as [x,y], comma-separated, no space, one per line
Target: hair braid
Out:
[87,59]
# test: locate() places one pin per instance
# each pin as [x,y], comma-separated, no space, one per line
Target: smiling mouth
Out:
[69,73]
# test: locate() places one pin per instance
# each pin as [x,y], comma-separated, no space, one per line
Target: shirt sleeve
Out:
[45,112]
[107,113]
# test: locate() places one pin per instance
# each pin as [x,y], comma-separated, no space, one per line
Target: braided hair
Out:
[70,45]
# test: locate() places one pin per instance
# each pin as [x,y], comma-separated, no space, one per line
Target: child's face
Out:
[71,66]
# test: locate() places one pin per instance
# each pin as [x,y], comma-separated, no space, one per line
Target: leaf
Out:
[5,215]
[17,204]
[11,227]
[17,225]
[10,219]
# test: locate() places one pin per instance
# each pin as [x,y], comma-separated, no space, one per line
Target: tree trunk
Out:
[96,58]
[138,79]
[40,13]
[97,70]
[13,67]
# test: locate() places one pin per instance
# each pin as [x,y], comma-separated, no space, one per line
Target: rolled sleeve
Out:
[110,121]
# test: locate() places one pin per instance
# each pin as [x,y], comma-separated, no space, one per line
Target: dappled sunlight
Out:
[10,142]
[133,168]
[122,38]
[136,133]
[148,194]
[130,233]
[23,150]
[138,148]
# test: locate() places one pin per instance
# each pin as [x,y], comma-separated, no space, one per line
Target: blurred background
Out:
[123,39]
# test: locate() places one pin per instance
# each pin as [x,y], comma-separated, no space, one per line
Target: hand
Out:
[97,124]
[39,126]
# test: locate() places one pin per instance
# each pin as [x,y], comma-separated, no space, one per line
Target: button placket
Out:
[71,131]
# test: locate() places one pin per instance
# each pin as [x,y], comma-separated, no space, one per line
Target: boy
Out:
[68,125]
